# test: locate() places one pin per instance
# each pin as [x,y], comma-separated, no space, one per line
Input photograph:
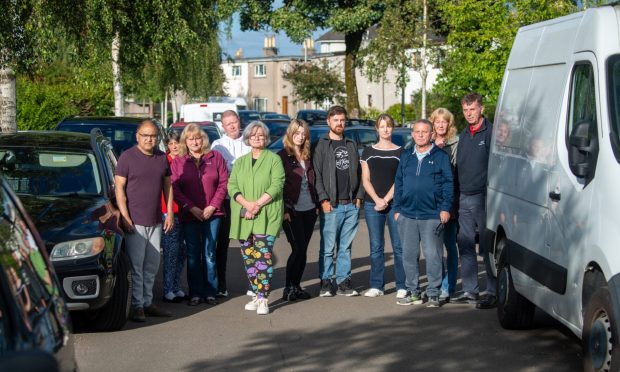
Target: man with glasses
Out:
[142,173]
[422,200]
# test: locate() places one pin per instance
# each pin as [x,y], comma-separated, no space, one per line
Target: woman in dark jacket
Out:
[300,204]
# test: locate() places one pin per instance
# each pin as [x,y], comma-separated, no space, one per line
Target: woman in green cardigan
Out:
[256,186]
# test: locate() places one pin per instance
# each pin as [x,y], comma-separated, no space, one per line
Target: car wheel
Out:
[599,345]
[513,310]
[114,314]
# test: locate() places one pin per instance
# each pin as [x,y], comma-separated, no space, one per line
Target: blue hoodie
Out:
[423,188]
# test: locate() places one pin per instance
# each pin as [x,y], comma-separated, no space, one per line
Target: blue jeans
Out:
[414,233]
[376,226]
[200,238]
[337,227]
[448,284]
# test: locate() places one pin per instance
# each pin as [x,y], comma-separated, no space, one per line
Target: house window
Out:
[260,104]
[236,70]
[260,70]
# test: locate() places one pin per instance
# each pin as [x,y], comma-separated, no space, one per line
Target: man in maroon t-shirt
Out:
[142,173]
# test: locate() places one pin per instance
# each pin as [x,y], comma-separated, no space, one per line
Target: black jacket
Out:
[472,159]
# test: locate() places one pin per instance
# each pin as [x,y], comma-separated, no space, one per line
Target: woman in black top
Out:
[379,163]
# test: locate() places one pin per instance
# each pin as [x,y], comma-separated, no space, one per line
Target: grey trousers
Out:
[412,233]
[143,249]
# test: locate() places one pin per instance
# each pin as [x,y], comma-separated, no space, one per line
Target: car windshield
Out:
[211,132]
[42,172]
[249,116]
[122,136]
[314,115]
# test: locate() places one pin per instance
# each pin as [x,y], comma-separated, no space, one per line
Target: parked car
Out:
[66,183]
[402,137]
[313,117]
[35,329]
[121,131]
[209,127]
[248,116]
[273,115]
[277,127]
[363,136]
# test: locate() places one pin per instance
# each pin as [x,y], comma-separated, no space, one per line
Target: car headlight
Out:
[77,249]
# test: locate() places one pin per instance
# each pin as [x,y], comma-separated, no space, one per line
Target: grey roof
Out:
[331,35]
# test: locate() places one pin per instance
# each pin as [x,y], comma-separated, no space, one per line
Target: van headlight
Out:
[77,249]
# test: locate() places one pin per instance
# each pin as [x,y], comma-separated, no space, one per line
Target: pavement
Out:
[326,334]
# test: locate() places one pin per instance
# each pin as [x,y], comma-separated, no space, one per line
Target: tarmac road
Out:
[335,334]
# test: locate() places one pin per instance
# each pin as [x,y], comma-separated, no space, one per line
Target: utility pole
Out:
[423,70]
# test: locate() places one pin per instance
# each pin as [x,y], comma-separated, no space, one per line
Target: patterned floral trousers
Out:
[256,252]
[174,257]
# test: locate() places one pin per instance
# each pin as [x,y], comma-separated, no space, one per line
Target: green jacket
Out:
[266,176]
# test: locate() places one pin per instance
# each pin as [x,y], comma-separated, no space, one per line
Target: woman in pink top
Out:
[199,181]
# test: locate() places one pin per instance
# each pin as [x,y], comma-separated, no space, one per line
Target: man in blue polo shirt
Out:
[471,164]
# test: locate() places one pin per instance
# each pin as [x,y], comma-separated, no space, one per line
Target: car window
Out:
[45,173]
[367,137]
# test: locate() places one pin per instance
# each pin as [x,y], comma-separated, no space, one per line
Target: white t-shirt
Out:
[231,149]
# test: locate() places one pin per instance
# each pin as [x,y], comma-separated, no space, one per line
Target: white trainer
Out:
[373,292]
[401,293]
[252,305]
[250,293]
[263,307]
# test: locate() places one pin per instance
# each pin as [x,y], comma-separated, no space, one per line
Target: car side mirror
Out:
[583,149]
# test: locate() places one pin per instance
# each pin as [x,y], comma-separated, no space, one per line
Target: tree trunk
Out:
[8,113]
[353,42]
[119,102]
[174,107]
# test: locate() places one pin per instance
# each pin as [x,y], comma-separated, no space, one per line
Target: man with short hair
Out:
[232,147]
[142,173]
[337,168]
[423,193]
[472,161]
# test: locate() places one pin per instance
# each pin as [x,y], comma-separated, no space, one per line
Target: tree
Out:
[315,83]
[298,18]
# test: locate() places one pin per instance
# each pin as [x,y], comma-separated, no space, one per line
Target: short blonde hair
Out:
[289,146]
[446,114]
[190,130]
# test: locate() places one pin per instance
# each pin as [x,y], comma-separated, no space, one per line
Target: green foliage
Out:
[370,113]
[315,83]
[411,112]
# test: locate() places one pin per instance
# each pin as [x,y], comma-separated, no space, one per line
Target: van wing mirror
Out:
[583,149]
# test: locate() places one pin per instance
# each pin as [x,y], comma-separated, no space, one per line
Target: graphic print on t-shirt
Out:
[342,157]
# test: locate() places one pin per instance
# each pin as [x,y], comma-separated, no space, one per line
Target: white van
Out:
[553,199]
[207,111]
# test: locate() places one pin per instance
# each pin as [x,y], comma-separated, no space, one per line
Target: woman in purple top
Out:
[199,181]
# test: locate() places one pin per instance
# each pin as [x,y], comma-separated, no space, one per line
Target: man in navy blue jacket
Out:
[472,162]
[423,192]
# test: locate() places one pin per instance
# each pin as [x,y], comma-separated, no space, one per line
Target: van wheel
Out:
[513,310]
[114,314]
[598,342]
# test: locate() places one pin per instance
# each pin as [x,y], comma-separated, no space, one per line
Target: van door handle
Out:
[555,196]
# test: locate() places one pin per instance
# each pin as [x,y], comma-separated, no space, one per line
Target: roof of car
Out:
[102,119]
[47,139]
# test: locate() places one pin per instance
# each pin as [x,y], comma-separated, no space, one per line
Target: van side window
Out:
[613,86]
[582,98]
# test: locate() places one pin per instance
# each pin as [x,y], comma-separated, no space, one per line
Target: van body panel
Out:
[207,111]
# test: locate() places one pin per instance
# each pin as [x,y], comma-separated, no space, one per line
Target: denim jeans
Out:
[414,233]
[200,238]
[376,226]
[337,227]
[448,284]
[472,215]
[143,246]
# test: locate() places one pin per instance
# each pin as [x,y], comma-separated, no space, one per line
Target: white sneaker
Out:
[373,292]
[250,293]
[252,305]
[401,293]
[263,307]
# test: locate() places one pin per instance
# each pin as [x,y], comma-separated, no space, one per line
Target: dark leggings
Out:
[221,250]
[298,232]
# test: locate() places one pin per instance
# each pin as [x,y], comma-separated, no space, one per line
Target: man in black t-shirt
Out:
[336,164]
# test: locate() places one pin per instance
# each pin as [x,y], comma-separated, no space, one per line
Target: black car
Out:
[211,130]
[248,116]
[362,136]
[273,115]
[277,127]
[35,329]
[402,137]
[313,117]
[121,131]
[66,183]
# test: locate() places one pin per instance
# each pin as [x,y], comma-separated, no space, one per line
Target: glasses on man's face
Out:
[148,136]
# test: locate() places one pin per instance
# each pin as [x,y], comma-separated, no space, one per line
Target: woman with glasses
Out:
[199,179]
[300,205]
[255,186]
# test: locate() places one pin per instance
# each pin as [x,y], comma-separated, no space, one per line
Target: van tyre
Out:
[513,310]
[114,314]
[598,341]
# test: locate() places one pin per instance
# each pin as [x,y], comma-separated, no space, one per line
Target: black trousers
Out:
[221,249]
[298,232]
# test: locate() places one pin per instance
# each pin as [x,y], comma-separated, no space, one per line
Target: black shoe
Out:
[301,294]
[289,294]
[175,300]
[345,289]
[155,311]
[326,288]
[487,302]
[211,301]
[137,315]
[465,298]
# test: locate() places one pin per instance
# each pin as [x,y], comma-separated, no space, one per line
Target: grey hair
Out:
[248,131]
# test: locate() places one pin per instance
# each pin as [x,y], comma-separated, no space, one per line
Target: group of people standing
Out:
[236,189]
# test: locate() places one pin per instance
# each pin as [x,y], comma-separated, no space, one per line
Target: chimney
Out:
[269,49]
[239,53]
[308,49]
